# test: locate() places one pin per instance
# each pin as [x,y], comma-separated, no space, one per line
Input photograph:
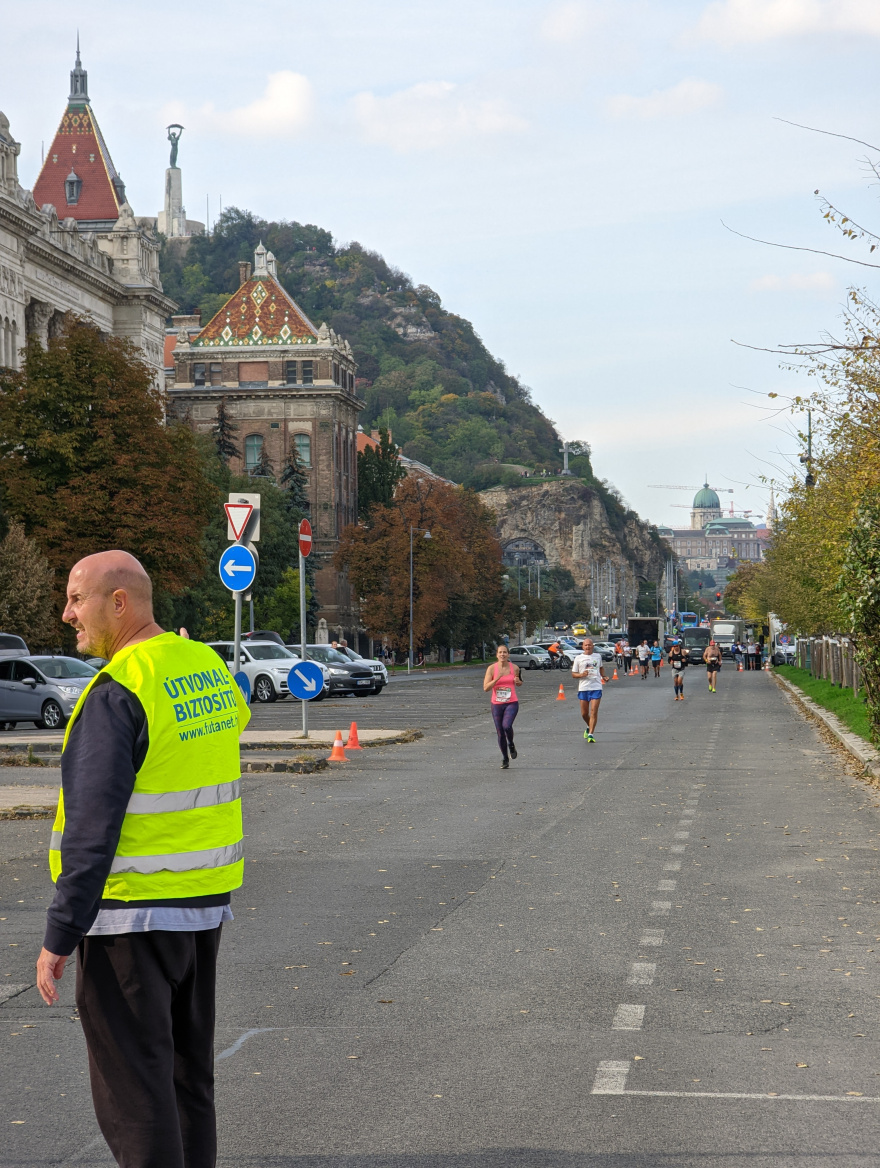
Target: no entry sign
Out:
[305,537]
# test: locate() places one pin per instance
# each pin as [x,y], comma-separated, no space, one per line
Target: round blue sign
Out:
[238,567]
[305,680]
[244,684]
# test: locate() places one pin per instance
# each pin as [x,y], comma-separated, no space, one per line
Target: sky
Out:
[568,175]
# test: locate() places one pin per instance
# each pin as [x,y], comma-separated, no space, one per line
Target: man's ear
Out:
[120,601]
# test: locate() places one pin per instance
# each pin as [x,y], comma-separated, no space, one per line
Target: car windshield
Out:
[327,655]
[268,652]
[63,667]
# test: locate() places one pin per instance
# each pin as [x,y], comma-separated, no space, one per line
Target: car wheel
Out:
[52,717]
[319,697]
[377,690]
[533,664]
[264,690]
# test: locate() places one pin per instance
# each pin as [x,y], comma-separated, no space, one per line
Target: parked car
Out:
[264,635]
[605,648]
[266,666]
[343,675]
[530,657]
[380,673]
[42,690]
[12,646]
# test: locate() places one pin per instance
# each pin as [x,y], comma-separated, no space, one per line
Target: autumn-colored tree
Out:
[26,580]
[87,463]
[458,595]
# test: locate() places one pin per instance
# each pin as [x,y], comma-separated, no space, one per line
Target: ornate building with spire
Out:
[286,384]
[74,245]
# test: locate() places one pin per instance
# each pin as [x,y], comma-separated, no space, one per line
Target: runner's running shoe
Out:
[590,737]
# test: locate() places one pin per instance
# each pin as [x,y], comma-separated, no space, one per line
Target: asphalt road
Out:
[655,951]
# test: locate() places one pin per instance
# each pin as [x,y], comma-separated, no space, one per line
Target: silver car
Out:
[530,657]
[42,690]
[266,666]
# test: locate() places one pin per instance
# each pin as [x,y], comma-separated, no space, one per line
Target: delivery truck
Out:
[726,632]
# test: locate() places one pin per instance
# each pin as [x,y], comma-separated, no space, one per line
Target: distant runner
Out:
[679,663]
[656,657]
[644,652]
[627,656]
[502,679]
[590,674]
[712,657]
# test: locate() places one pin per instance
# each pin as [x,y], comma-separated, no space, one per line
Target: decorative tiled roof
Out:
[79,146]
[260,313]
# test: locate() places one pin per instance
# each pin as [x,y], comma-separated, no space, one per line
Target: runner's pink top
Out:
[504,689]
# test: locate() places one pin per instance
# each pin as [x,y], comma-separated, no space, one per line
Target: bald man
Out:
[146,850]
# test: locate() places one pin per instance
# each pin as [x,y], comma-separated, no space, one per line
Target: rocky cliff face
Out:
[570,523]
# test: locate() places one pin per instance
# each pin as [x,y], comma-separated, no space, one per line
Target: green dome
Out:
[706,498]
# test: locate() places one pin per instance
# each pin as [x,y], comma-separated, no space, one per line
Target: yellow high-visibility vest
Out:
[182,831]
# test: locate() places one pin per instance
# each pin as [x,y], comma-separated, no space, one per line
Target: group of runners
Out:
[503,678]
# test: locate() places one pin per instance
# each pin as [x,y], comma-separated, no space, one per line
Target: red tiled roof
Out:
[365,440]
[170,343]
[259,313]
[79,146]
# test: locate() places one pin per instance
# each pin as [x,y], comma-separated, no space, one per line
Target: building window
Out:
[72,188]
[216,373]
[303,444]
[253,448]
[307,373]
[335,373]
[290,372]
[198,374]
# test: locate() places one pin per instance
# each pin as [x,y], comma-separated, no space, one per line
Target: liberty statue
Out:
[174,139]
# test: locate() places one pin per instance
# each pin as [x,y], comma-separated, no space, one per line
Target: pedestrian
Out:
[590,674]
[678,663]
[145,851]
[644,652]
[752,654]
[656,657]
[503,678]
[738,654]
[712,659]
[627,656]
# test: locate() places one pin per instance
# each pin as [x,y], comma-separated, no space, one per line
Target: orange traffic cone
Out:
[614,676]
[560,697]
[353,743]
[337,754]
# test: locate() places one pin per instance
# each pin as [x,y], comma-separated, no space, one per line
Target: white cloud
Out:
[796,282]
[747,21]
[432,114]
[283,111]
[686,97]
[568,21]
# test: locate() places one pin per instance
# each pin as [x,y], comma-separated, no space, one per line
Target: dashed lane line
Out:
[651,937]
[628,1018]
[660,908]
[611,1077]
[642,973]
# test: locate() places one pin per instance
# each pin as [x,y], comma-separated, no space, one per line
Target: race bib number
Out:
[502,694]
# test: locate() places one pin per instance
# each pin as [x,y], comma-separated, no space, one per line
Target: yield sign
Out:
[305,537]
[238,515]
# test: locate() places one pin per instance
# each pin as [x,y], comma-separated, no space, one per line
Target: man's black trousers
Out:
[147,1006]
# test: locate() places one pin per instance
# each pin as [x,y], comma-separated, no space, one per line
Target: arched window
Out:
[253,448]
[303,444]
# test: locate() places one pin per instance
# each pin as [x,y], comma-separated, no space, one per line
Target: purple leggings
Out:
[502,716]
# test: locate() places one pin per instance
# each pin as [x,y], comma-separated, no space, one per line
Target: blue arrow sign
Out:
[244,684]
[238,568]
[305,680]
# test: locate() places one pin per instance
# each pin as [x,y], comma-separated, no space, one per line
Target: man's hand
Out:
[50,968]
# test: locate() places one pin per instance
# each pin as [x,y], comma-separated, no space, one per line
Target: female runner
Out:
[502,679]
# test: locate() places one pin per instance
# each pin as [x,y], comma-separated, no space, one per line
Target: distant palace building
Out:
[74,245]
[286,384]
[715,544]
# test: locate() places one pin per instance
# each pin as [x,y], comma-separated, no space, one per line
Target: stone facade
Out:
[97,261]
[285,383]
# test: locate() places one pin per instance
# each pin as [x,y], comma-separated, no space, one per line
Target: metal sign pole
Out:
[237,649]
[302,633]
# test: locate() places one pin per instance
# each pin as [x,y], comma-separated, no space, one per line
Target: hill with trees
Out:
[423,371]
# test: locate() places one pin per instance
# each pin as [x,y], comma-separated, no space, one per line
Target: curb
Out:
[857,747]
[288,765]
[314,744]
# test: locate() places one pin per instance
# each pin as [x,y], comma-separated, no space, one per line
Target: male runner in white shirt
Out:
[588,670]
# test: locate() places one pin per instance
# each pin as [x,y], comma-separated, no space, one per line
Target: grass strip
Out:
[841,702]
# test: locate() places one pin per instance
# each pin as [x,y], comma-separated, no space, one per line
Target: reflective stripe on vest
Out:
[176,841]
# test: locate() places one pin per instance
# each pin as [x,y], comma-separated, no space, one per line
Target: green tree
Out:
[223,432]
[859,588]
[379,472]
[26,582]
[296,482]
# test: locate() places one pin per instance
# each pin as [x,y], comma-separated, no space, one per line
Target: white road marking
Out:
[628,1018]
[768,1096]
[682,835]
[651,937]
[610,1078]
[672,866]
[660,908]
[239,1042]
[642,973]
[666,885]
[678,848]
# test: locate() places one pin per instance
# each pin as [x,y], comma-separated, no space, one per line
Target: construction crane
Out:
[676,487]
[729,514]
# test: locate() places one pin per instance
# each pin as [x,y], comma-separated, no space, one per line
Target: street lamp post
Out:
[410,661]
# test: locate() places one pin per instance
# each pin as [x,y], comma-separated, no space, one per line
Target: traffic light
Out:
[717,595]
[700,586]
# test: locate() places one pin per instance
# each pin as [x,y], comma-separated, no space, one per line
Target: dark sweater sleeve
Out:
[105,750]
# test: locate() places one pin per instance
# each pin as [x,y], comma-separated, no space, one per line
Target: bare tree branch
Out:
[792,247]
[829,133]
